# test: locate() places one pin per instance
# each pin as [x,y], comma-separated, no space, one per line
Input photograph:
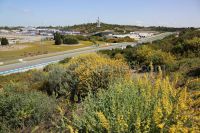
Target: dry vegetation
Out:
[37,48]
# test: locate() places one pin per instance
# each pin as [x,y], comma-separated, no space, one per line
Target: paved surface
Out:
[41,62]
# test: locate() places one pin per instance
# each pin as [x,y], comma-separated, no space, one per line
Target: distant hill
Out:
[92,27]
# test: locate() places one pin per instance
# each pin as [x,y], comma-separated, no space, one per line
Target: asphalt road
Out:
[41,62]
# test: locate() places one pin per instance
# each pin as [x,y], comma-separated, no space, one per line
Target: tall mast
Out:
[98,23]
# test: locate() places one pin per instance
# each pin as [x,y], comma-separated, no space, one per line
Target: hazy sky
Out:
[178,13]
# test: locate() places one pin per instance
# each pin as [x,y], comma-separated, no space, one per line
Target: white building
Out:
[143,34]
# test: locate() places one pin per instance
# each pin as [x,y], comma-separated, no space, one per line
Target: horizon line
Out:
[95,23]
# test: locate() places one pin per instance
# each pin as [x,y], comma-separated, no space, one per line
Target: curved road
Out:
[43,61]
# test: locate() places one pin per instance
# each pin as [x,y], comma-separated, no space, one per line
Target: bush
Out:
[64,61]
[37,80]
[194,85]
[24,109]
[56,82]
[37,76]
[188,67]
[145,105]
[81,38]
[145,55]
[188,48]
[93,72]
[193,46]
[70,40]
[49,67]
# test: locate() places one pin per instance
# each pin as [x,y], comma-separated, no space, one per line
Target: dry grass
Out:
[37,48]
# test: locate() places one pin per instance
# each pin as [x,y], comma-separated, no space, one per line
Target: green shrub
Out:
[70,40]
[37,76]
[187,48]
[66,60]
[24,109]
[146,105]
[81,38]
[188,67]
[37,80]
[56,81]
[49,67]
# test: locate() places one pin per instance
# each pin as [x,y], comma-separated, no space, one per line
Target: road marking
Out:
[23,69]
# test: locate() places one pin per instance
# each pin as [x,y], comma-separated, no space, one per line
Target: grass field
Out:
[38,48]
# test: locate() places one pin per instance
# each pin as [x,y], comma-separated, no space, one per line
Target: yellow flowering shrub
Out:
[147,104]
[145,55]
[104,122]
[91,72]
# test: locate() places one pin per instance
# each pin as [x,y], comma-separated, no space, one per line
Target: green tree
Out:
[4,41]
[57,38]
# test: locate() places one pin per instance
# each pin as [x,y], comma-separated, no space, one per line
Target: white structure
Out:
[98,23]
[142,34]
[135,35]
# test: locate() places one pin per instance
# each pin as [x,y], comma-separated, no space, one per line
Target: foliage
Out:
[166,44]
[55,82]
[144,105]
[188,67]
[64,61]
[93,72]
[57,38]
[19,109]
[49,67]
[188,48]
[37,80]
[92,28]
[70,40]
[146,55]
[17,77]
[37,75]
[193,46]
[185,44]
[4,41]
[143,55]
[194,84]
[166,29]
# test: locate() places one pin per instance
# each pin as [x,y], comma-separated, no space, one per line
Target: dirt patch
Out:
[12,47]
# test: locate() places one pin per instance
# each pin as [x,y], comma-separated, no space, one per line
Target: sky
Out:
[171,13]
